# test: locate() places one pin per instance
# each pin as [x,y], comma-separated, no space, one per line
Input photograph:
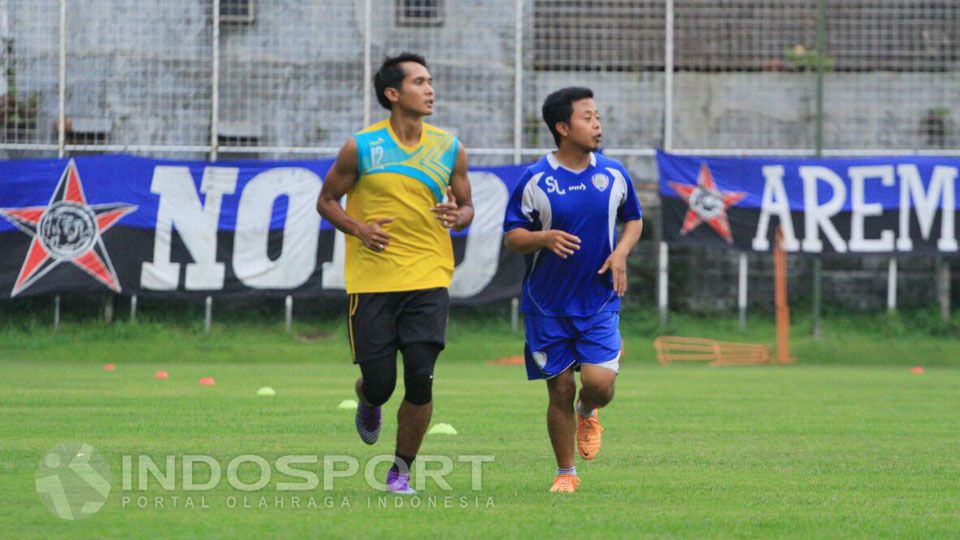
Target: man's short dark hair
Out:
[390,75]
[558,107]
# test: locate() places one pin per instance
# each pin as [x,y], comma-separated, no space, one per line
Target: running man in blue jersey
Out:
[563,215]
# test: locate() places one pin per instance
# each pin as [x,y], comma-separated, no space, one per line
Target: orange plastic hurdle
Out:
[727,353]
[718,353]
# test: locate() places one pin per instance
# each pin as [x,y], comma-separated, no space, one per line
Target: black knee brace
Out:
[379,379]
[418,362]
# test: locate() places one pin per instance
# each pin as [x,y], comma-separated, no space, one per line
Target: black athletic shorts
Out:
[381,323]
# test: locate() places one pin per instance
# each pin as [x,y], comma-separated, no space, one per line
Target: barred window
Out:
[419,13]
[599,35]
[236,11]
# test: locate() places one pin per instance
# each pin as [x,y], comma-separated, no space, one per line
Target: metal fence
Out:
[290,78]
[274,79]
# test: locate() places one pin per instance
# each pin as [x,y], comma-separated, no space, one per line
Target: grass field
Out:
[847,443]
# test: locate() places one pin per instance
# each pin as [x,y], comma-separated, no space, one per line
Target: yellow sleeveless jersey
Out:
[403,183]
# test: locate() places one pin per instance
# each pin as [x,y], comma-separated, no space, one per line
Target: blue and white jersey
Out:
[587,204]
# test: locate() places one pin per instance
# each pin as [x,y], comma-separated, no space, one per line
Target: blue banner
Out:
[893,204]
[136,225]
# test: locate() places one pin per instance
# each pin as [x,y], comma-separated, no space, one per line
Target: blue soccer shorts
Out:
[553,344]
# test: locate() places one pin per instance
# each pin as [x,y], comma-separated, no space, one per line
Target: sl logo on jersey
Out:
[600,181]
[554,187]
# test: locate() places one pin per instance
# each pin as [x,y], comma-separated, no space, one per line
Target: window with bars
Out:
[598,35]
[236,11]
[418,13]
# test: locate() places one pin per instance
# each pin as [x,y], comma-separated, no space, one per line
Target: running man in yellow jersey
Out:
[406,186]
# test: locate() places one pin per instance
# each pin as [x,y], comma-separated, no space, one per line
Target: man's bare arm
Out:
[457,211]
[617,261]
[340,179]
[561,243]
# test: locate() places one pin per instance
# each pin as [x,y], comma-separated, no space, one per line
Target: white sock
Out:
[585,414]
[571,470]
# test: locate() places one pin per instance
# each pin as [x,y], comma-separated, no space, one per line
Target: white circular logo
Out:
[73,480]
[540,358]
[707,203]
[67,229]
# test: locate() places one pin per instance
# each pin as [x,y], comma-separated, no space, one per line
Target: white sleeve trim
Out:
[618,194]
[534,199]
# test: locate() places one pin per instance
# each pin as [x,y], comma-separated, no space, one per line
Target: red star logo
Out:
[67,230]
[707,204]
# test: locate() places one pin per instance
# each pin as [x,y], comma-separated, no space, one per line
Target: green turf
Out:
[848,443]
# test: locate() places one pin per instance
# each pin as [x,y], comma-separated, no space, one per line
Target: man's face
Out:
[416,89]
[584,129]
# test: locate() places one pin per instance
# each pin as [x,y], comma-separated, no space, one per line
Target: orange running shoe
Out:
[565,483]
[588,435]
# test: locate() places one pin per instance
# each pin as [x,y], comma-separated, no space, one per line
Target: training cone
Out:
[266,391]
[109,367]
[442,429]
[207,381]
[161,374]
[916,370]
[348,404]
[515,360]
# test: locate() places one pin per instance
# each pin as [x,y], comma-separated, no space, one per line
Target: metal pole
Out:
[367,59]
[668,80]
[56,313]
[817,295]
[62,90]
[943,288]
[514,314]
[818,144]
[821,54]
[662,282]
[215,90]
[518,82]
[663,253]
[208,315]
[742,291]
[133,309]
[780,298]
[892,285]
[288,312]
[108,309]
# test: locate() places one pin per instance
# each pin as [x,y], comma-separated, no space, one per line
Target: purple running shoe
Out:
[399,483]
[368,422]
